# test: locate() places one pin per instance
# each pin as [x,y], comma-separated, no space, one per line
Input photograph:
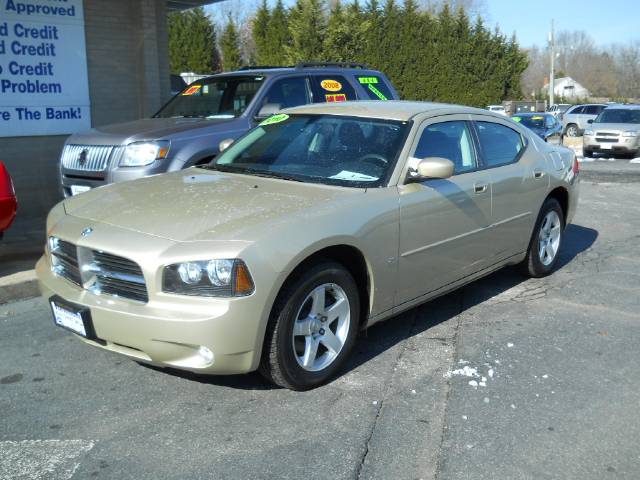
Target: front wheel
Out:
[312,328]
[572,131]
[546,240]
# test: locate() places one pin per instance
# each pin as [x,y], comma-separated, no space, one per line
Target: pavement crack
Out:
[380,403]
[454,344]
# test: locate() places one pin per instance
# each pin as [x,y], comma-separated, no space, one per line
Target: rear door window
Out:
[288,92]
[593,109]
[500,145]
[577,111]
[332,88]
[375,87]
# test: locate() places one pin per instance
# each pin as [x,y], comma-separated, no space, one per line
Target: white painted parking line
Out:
[41,459]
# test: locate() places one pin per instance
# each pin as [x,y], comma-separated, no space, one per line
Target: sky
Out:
[606,21]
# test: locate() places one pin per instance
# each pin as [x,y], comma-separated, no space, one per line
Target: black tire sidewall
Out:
[536,267]
[323,273]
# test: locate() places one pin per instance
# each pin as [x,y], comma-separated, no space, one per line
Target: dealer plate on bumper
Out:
[72,317]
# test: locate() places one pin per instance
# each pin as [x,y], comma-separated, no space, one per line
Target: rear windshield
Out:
[213,98]
[619,115]
[375,87]
[536,121]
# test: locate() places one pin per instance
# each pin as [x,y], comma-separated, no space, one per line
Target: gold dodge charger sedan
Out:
[320,221]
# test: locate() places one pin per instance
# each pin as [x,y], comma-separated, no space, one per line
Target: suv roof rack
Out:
[331,64]
[264,67]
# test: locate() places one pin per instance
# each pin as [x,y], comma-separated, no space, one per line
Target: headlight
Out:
[588,132]
[630,133]
[208,278]
[139,154]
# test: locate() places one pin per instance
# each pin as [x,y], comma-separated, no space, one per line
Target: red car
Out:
[8,202]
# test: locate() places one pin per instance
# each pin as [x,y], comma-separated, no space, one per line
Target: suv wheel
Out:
[546,240]
[313,327]
[587,153]
[572,130]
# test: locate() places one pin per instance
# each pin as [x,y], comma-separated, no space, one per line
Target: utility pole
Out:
[552,75]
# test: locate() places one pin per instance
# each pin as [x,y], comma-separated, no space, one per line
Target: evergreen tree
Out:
[260,33]
[346,34]
[279,37]
[230,46]
[192,42]
[307,27]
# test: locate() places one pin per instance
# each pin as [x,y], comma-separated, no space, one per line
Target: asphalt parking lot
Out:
[553,395]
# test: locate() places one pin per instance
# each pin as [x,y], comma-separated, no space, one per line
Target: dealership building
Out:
[67,66]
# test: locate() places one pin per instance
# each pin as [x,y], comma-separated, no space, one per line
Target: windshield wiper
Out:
[271,175]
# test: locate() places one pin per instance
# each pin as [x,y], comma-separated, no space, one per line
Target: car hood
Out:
[200,205]
[614,126]
[144,129]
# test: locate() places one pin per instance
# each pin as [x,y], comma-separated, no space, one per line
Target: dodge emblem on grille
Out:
[82,156]
[87,231]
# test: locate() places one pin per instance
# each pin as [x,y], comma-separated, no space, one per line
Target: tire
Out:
[587,153]
[546,239]
[287,357]
[572,130]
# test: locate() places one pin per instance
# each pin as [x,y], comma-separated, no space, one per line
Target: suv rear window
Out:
[375,87]
[332,88]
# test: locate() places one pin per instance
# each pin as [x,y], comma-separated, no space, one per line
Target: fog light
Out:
[206,355]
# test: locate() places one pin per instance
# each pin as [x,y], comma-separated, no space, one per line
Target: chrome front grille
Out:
[606,140]
[89,158]
[607,134]
[64,259]
[118,276]
[98,271]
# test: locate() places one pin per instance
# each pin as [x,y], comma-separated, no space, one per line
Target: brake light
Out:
[576,166]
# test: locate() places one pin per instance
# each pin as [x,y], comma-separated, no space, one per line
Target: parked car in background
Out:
[615,131]
[575,120]
[497,109]
[558,109]
[8,201]
[545,125]
[189,128]
[321,221]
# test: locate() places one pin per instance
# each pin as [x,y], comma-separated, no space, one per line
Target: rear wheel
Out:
[312,328]
[546,240]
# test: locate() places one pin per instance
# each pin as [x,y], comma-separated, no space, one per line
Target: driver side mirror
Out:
[267,110]
[224,144]
[431,167]
[590,121]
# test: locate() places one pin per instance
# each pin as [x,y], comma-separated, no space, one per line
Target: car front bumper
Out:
[167,332]
[620,145]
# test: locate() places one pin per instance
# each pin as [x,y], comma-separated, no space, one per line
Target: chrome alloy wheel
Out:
[572,131]
[549,238]
[321,327]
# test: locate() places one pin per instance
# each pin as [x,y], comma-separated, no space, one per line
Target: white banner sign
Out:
[43,68]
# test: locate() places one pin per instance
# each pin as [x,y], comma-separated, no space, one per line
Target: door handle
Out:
[538,173]
[480,187]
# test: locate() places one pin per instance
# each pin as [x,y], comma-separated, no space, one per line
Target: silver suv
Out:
[574,121]
[615,131]
[188,130]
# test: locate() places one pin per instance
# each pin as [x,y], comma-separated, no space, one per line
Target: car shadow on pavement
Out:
[385,335]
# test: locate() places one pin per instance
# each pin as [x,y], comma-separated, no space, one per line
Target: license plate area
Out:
[72,317]
[78,189]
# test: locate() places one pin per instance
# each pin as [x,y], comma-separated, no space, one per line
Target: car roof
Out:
[266,71]
[391,109]
[623,106]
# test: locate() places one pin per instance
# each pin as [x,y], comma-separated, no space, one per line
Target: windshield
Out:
[218,97]
[349,151]
[619,115]
[536,121]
